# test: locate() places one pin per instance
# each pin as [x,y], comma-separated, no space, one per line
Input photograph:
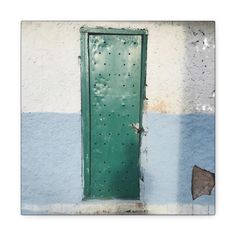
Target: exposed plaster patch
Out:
[204,108]
[203,182]
[205,44]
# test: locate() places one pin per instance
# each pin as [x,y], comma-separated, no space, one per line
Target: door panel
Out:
[114,90]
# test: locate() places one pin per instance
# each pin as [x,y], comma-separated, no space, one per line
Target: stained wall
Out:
[178,116]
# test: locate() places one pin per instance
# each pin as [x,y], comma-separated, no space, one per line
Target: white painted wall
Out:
[180,66]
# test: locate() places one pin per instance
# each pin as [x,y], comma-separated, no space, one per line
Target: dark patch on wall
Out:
[203,182]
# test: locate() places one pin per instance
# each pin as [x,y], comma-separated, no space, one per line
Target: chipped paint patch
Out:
[203,182]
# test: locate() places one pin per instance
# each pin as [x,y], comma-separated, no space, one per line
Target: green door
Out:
[115,95]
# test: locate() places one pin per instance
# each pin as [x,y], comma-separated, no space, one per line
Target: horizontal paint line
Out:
[144,112]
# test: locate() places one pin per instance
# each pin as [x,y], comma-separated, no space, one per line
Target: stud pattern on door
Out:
[115,80]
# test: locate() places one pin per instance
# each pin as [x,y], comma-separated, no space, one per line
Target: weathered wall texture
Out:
[178,117]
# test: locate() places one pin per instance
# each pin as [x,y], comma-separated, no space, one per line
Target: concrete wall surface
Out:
[178,119]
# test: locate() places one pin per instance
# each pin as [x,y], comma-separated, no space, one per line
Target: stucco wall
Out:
[178,117]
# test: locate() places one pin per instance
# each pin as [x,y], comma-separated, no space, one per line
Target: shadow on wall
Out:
[177,142]
[197,130]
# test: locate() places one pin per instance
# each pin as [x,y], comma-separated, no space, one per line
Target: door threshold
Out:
[112,207]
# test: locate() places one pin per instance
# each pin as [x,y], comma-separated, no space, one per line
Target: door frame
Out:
[85,92]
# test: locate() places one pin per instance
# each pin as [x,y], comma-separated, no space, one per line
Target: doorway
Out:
[113,69]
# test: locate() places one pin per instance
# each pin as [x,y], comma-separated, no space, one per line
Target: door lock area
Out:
[137,128]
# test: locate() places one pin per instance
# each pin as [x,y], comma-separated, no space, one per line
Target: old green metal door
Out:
[115,107]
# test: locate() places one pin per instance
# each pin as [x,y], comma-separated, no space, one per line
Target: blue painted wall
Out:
[176,143]
[51,157]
